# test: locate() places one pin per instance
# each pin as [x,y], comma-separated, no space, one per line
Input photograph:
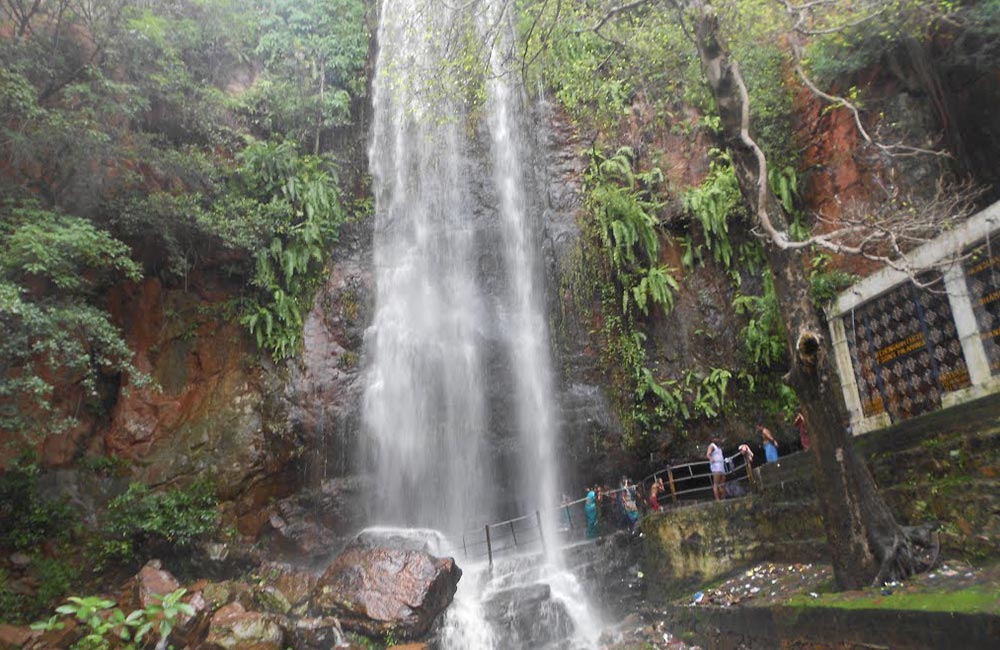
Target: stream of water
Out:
[459,407]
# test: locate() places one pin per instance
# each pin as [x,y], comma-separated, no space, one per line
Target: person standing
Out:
[590,508]
[655,490]
[800,424]
[629,506]
[770,444]
[717,465]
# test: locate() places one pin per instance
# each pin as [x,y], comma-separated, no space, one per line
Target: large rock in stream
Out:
[377,589]
[528,616]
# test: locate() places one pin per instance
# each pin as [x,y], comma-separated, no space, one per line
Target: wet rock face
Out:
[528,617]
[210,410]
[375,590]
[325,389]
[235,628]
[611,573]
[585,411]
[315,522]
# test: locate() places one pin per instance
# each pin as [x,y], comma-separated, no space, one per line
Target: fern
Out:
[657,287]
[287,270]
[713,203]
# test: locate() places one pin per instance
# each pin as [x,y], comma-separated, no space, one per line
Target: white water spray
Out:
[459,406]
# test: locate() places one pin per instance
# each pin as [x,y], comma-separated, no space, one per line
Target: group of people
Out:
[623,506]
[620,507]
[717,460]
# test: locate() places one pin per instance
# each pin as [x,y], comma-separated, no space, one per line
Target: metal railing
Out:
[526,532]
[683,480]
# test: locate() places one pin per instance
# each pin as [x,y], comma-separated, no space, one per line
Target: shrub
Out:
[141,520]
[27,518]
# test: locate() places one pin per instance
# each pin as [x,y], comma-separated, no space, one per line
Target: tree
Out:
[314,52]
[866,542]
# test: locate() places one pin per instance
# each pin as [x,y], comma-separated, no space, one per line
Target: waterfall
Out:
[425,397]
[459,407]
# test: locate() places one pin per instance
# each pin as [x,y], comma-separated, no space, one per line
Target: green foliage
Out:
[641,57]
[826,282]
[56,576]
[314,53]
[710,392]
[622,201]
[53,264]
[60,249]
[106,626]
[656,287]
[27,517]
[119,126]
[13,605]
[141,521]
[304,189]
[764,335]
[712,205]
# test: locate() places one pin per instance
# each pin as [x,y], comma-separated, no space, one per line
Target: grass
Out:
[972,600]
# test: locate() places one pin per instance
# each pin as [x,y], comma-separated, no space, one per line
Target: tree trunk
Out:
[865,542]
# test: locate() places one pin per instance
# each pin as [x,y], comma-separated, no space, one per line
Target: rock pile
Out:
[370,589]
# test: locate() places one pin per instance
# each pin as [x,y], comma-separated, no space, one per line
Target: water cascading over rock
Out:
[459,407]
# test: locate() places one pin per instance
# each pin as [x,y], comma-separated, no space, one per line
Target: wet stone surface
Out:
[642,631]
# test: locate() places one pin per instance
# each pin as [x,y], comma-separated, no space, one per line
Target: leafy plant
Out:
[825,282]
[712,204]
[27,517]
[622,202]
[141,520]
[108,627]
[764,334]
[656,287]
[169,609]
[286,271]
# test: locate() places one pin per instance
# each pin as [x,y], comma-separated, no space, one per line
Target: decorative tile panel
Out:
[982,276]
[905,351]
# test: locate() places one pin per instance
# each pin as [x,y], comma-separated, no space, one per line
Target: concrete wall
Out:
[941,468]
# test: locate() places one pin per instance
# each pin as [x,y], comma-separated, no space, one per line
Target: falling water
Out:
[459,404]
[425,399]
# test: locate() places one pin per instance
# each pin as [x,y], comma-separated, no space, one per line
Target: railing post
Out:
[512,533]
[465,547]
[670,478]
[750,481]
[489,546]
[541,532]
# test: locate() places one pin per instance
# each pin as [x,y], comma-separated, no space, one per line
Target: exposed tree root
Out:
[915,549]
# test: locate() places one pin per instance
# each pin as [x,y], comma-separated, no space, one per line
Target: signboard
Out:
[905,351]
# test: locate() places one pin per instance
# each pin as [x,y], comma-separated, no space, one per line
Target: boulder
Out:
[269,598]
[153,580]
[234,628]
[295,586]
[376,589]
[12,636]
[528,617]
[218,594]
[322,632]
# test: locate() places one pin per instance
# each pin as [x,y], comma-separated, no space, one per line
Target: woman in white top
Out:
[717,465]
